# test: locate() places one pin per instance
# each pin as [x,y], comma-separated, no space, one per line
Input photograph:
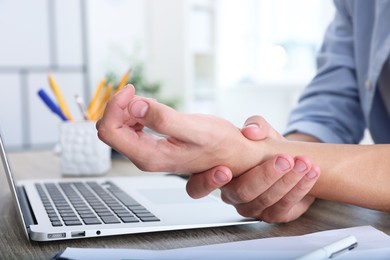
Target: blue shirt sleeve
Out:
[329,108]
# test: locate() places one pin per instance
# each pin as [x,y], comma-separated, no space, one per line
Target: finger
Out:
[165,120]
[302,188]
[284,215]
[202,184]
[113,114]
[256,181]
[294,199]
[257,128]
[302,166]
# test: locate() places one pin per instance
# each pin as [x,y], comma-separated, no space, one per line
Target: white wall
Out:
[37,37]
[167,39]
[273,103]
[116,29]
[78,41]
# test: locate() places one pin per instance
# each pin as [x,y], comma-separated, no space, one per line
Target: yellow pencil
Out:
[96,96]
[96,114]
[123,81]
[59,97]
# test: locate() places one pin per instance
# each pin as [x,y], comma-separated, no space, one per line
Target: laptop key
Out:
[56,223]
[127,214]
[91,221]
[70,218]
[87,216]
[72,223]
[137,207]
[129,219]
[106,214]
[149,219]
[67,214]
[110,219]
[136,211]
[141,215]
[54,219]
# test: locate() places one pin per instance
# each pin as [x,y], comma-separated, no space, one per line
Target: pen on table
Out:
[50,104]
[332,250]
[60,99]
[81,106]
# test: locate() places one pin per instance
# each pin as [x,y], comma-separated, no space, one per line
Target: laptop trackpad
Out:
[170,196]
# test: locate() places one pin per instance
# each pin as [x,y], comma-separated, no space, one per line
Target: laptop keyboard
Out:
[79,203]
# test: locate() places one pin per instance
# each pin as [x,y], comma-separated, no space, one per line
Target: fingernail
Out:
[220,177]
[282,164]
[300,166]
[139,108]
[253,125]
[312,174]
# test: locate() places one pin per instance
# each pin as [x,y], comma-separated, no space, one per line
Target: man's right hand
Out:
[274,191]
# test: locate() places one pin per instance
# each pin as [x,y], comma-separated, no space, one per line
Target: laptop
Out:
[57,209]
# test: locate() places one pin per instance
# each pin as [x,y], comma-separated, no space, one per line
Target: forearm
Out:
[302,137]
[356,174]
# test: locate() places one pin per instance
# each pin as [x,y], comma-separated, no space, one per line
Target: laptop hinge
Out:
[28,215]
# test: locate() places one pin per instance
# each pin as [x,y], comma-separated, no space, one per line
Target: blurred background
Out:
[232,58]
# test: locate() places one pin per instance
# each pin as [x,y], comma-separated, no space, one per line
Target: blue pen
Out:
[53,107]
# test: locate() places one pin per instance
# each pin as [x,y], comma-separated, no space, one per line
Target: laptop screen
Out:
[11,183]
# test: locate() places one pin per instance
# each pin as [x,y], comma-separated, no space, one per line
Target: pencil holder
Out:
[82,152]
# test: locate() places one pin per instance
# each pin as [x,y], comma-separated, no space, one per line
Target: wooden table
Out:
[322,216]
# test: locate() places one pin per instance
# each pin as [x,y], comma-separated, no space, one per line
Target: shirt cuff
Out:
[317,130]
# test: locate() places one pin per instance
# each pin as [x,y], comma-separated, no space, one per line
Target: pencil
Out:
[59,97]
[95,97]
[123,81]
[102,103]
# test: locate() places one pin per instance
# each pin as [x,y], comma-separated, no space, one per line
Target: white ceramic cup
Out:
[82,152]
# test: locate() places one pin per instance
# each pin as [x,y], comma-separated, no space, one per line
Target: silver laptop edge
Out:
[14,192]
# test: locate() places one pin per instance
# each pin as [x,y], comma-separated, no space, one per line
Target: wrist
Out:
[255,153]
[297,136]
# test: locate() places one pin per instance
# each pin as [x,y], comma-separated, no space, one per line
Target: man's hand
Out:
[274,191]
[190,143]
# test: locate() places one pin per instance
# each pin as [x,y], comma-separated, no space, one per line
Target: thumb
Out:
[257,128]
[202,184]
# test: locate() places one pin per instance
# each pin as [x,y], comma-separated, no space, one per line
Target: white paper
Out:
[372,244]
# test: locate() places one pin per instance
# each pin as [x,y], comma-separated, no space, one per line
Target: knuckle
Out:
[300,188]
[266,200]
[267,174]
[104,133]
[244,211]
[286,202]
[243,194]
[160,120]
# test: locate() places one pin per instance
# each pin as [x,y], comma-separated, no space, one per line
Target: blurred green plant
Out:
[142,86]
